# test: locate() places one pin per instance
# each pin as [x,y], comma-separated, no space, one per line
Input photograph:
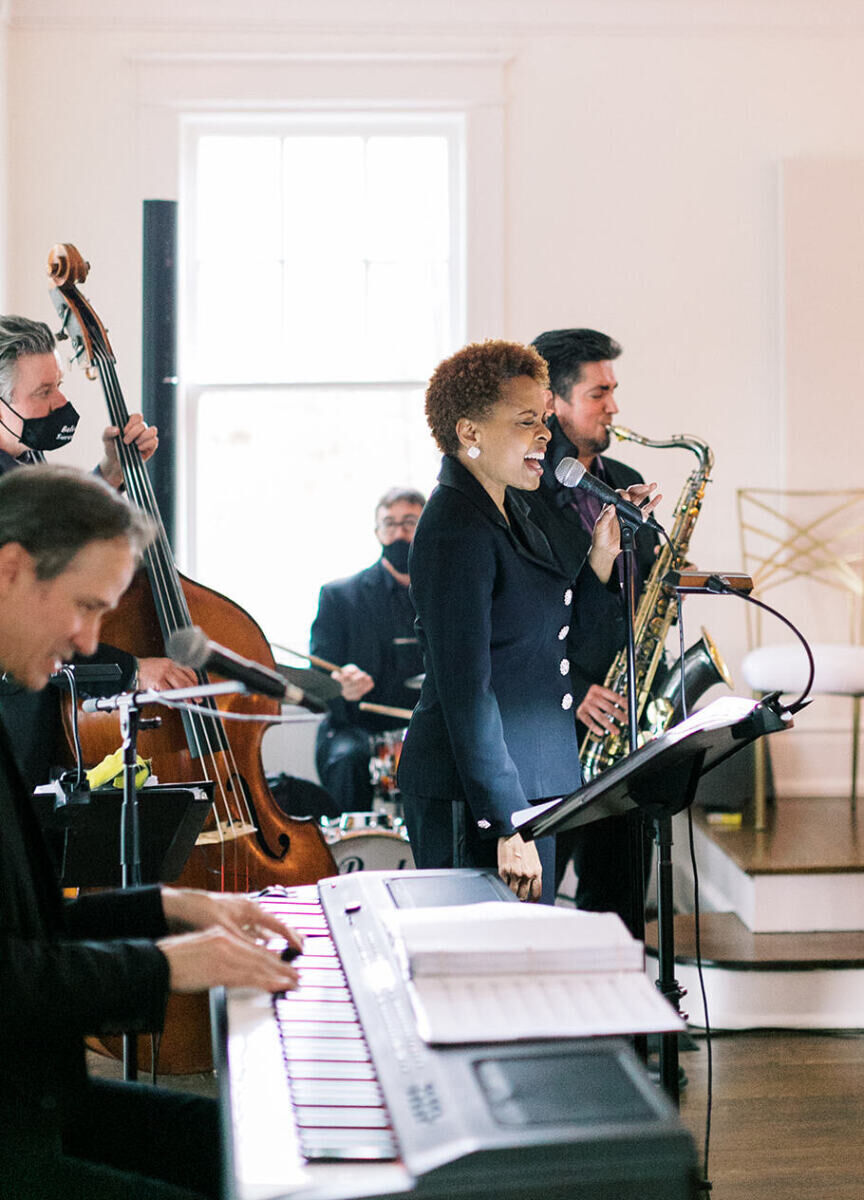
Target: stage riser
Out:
[807,902]
[805,999]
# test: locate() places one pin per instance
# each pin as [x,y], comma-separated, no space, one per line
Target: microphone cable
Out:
[705,1183]
[718,586]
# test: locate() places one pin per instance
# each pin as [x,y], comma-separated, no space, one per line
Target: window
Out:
[322,282]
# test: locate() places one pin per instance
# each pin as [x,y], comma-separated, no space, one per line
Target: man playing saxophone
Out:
[582,407]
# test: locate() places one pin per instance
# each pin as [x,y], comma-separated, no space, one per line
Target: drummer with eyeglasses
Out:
[366,622]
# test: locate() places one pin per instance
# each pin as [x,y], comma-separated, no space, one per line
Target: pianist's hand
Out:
[217,958]
[519,866]
[186,908]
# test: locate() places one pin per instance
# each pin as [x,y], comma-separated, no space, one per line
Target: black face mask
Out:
[397,555]
[46,433]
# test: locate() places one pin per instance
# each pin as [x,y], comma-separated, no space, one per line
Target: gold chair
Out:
[807,546]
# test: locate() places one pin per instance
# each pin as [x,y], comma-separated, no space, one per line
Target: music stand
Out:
[85,838]
[661,778]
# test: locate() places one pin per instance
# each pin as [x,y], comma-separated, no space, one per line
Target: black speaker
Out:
[159,350]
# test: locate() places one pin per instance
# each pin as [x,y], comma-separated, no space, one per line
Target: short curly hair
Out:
[468,384]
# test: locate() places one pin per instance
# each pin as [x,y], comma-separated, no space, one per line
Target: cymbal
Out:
[317,686]
[415,682]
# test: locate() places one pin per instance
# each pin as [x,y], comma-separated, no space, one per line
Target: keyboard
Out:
[329,1093]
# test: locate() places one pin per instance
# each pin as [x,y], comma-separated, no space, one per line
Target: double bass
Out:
[247,842]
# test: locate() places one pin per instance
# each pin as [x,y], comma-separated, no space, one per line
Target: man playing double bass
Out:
[35,419]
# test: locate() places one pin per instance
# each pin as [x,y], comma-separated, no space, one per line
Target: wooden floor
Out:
[788,1115]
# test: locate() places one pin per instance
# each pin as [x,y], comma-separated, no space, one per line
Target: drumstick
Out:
[386,710]
[313,659]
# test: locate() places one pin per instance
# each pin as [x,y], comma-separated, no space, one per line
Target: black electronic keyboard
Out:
[328,1093]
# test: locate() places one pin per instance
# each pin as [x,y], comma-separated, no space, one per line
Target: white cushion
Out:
[839,669]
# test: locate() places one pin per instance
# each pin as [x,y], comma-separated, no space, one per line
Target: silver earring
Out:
[473,451]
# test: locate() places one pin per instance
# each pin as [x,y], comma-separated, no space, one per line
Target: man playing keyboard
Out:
[103,963]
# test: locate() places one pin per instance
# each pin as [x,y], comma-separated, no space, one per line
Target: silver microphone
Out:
[571,473]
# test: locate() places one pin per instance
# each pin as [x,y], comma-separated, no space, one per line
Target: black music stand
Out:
[129,705]
[85,838]
[661,778]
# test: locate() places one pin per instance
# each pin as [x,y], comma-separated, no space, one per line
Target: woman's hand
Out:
[519,867]
[606,538]
[605,544]
[640,492]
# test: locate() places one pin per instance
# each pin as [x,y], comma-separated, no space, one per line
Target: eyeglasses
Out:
[409,524]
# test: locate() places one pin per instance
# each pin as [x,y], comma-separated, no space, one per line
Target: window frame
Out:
[448,124]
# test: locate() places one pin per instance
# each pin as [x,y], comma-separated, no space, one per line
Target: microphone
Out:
[571,473]
[192,648]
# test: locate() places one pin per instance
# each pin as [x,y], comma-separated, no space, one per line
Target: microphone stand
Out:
[637,873]
[636,833]
[128,705]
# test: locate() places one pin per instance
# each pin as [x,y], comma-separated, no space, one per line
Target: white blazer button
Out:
[568,597]
[564,666]
[567,702]
[562,632]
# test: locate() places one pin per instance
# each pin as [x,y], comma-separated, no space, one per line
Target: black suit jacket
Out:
[494,725]
[358,619]
[597,630]
[66,969]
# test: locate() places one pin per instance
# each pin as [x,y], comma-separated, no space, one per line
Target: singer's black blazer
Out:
[597,630]
[494,724]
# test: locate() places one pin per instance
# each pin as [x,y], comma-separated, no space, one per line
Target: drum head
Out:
[377,850]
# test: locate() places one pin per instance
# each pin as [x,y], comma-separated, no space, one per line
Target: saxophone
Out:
[655,614]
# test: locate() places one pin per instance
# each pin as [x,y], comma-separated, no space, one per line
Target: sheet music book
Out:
[507,972]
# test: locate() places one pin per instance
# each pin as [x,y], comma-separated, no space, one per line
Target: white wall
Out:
[640,191]
[4,152]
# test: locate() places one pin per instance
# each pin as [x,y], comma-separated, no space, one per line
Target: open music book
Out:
[507,972]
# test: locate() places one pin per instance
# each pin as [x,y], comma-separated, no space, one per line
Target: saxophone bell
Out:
[703,668]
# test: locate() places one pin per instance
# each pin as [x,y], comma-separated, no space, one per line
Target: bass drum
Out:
[369,841]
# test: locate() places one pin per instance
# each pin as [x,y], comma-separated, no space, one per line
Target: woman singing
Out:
[493,730]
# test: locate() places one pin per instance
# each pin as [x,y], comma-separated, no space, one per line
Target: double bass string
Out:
[208,735]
